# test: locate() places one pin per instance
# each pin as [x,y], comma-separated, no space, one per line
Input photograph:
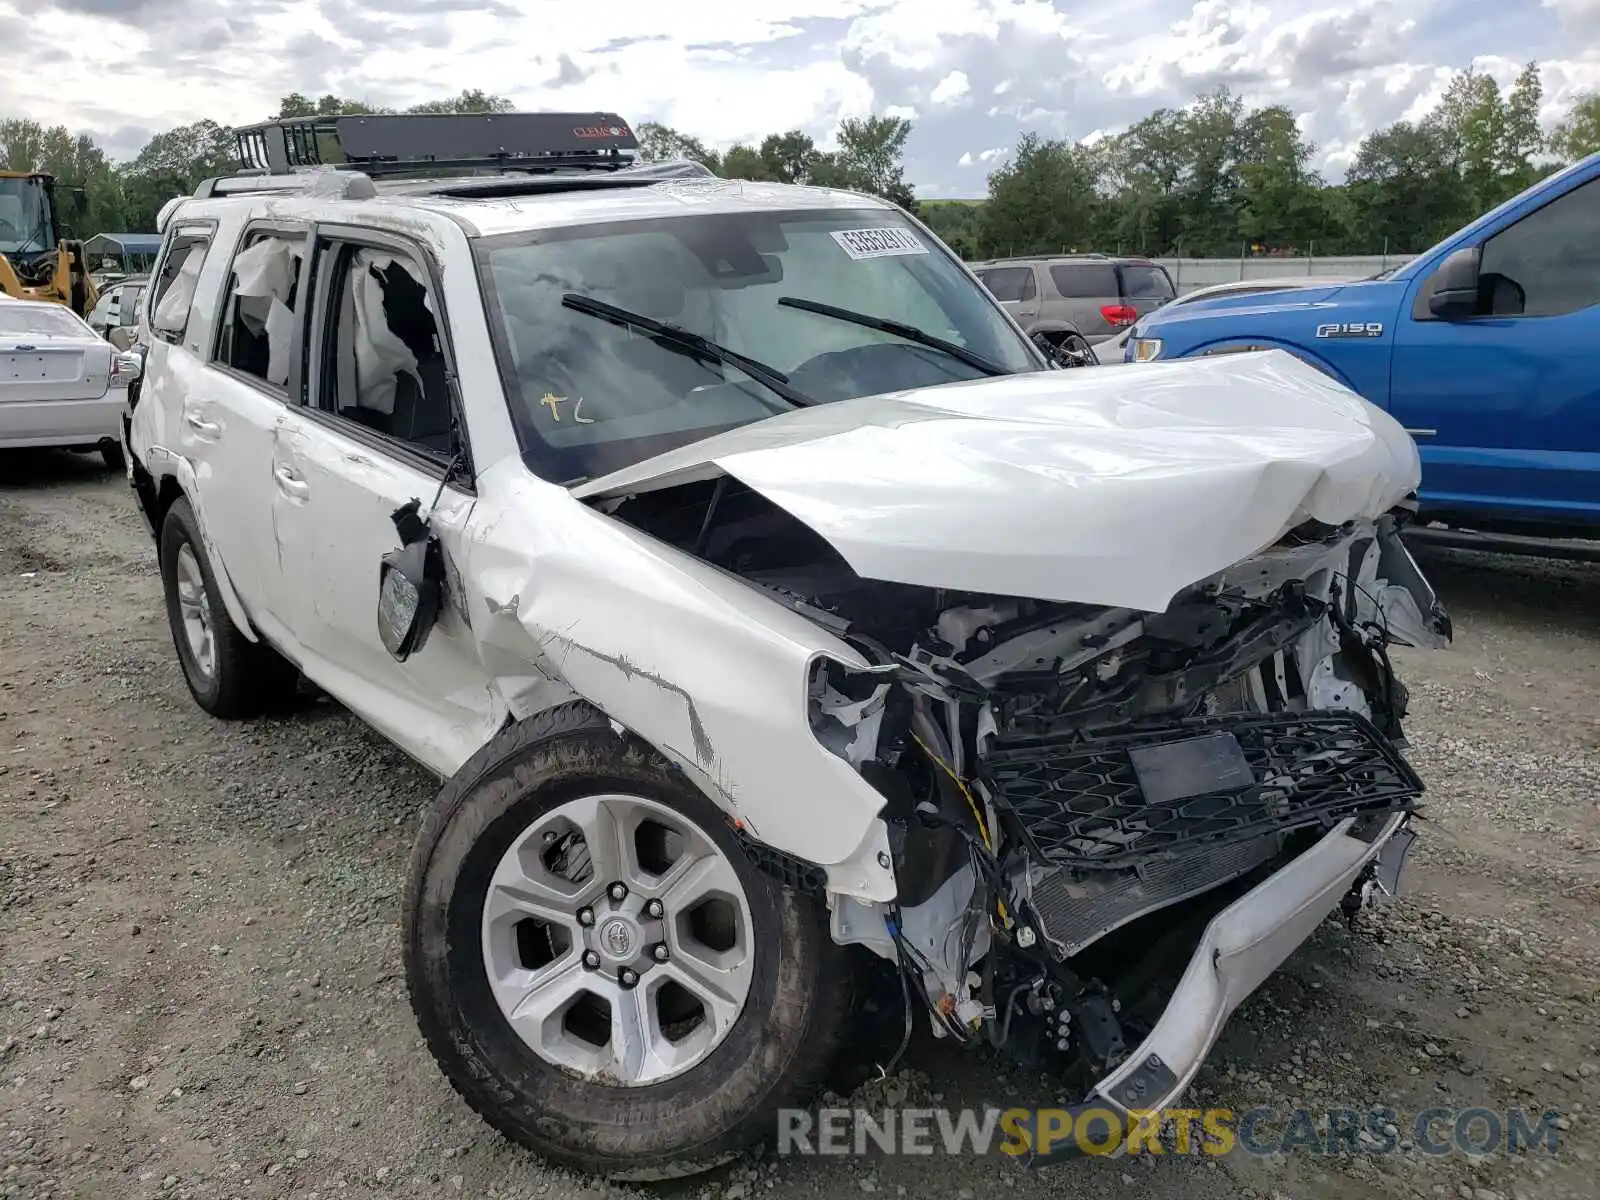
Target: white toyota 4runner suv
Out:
[770,609]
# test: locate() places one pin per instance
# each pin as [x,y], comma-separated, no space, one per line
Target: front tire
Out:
[518,955]
[228,675]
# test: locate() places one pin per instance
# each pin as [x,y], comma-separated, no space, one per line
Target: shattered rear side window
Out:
[260,324]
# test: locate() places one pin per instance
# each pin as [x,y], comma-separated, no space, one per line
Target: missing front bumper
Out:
[1241,947]
[1116,801]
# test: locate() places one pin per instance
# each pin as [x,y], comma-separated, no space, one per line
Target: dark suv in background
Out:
[1095,295]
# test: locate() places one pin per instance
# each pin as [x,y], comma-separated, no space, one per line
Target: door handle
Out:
[1423,432]
[290,483]
[200,425]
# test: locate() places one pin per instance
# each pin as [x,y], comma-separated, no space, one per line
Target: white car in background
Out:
[62,386]
[119,306]
[1109,353]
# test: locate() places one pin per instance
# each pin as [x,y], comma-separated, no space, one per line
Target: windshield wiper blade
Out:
[900,329]
[682,339]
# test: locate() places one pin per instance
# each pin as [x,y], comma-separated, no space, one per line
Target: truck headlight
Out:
[1144,349]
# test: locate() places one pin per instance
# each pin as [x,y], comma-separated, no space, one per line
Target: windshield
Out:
[24,217]
[590,395]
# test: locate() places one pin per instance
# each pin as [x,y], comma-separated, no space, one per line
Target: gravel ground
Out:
[199,966]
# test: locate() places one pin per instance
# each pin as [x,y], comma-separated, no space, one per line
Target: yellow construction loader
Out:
[37,261]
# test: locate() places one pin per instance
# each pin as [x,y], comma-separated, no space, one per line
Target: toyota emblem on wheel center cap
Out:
[616,938]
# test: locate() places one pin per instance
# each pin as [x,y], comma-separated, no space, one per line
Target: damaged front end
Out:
[1106,825]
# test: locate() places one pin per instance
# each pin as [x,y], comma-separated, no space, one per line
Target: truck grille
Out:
[1110,802]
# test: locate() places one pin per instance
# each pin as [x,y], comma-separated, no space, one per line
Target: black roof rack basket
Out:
[425,143]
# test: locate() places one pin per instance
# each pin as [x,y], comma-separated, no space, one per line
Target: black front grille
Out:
[1079,801]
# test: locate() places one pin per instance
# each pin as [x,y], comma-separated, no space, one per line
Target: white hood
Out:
[1117,488]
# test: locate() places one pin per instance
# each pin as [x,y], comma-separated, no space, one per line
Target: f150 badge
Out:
[1368,329]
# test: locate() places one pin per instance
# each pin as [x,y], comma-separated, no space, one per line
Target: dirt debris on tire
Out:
[200,988]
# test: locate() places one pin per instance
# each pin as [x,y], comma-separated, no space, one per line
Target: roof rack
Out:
[347,184]
[473,155]
[427,143]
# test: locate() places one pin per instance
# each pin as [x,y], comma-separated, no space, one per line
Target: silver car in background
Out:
[62,386]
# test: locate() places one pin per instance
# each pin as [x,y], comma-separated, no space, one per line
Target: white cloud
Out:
[952,88]
[967,72]
[992,155]
[1578,14]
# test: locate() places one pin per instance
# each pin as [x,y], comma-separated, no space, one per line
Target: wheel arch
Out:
[171,478]
[1053,325]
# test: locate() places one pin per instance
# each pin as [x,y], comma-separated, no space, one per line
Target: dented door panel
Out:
[332,500]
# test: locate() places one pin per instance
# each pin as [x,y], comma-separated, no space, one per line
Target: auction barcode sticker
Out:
[878,243]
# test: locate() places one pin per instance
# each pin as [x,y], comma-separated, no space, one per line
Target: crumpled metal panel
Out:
[1097,487]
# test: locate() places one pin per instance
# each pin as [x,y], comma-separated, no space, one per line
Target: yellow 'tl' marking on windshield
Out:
[550,400]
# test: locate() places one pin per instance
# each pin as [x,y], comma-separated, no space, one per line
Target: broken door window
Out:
[384,365]
[259,319]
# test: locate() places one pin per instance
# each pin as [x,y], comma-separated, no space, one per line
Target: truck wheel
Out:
[598,967]
[228,675]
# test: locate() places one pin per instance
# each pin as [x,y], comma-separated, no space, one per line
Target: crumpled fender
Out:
[706,668]
[162,463]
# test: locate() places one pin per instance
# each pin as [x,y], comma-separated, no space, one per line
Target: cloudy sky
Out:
[974,74]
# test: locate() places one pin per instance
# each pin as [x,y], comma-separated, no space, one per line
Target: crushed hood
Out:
[1099,487]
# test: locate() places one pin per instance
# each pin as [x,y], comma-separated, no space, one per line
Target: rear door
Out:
[1016,289]
[231,407]
[379,427]
[1505,404]
[1089,292]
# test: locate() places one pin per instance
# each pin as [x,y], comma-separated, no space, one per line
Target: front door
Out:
[377,430]
[1505,405]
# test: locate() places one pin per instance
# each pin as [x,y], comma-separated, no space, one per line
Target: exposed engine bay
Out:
[1059,778]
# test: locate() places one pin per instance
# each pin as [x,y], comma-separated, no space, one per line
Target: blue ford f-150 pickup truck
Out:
[1486,348]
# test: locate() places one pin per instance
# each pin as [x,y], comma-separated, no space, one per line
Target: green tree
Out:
[1280,197]
[76,162]
[1404,189]
[1579,135]
[870,158]
[958,223]
[662,143]
[743,162]
[1210,205]
[1470,122]
[1041,202]
[788,157]
[473,100]
[173,164]
[1139,173]
[1521,139]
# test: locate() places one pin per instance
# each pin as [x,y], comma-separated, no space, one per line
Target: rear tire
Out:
[228,675]
[604,1119]
[112,455]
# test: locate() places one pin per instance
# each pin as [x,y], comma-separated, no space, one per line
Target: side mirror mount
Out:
[410,584]
[1455,285]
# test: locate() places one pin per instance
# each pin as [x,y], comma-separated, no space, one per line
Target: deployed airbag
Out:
[263,282]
